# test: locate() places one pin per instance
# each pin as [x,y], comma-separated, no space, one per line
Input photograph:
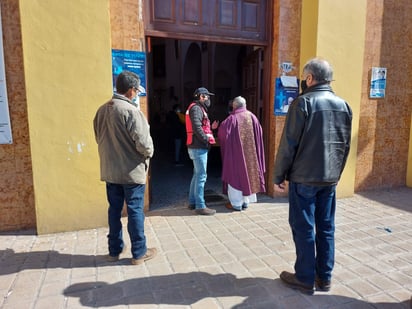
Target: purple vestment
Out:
[243,159]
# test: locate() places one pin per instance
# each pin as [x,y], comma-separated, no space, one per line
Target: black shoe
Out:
[205,211]
[191,206]
[322,285]
[244,206]
[290,280]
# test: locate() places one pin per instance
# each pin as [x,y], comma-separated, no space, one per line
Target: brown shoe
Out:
[150,254]
[205,211]
[115,258]
[290,280]
[230,206]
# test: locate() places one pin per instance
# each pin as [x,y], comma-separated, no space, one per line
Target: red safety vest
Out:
[189,128]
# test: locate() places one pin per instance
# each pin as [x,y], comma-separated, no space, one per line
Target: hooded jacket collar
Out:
[121,97]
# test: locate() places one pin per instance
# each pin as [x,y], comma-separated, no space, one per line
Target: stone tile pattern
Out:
[16,179]
[384,124]
[230,260]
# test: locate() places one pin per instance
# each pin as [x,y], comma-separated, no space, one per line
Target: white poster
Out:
[5,127]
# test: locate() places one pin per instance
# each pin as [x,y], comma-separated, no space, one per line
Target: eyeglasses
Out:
[205,96]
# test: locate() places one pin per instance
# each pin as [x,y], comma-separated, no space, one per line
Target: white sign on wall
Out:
[5,127]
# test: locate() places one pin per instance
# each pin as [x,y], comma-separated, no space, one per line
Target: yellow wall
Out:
[339,33]
[309,31]
[67,67]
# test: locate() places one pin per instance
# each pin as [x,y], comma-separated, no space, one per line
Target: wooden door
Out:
[252,82]
[237,21]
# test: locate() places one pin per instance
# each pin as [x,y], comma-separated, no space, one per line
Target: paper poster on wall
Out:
[378,83]
[286,90]
[5,127]
[129,60]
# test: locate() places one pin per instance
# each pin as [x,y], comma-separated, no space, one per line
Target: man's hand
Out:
[279,187]
[211,139]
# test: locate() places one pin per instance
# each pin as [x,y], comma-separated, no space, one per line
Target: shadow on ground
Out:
[399,198]
[14,262]
[189,288]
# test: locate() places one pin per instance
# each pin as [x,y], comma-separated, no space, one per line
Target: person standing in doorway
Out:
[312,155]
[177,131]
[125,148]
[243,157]
[199,140]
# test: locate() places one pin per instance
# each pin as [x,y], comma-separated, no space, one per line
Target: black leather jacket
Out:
[316,138]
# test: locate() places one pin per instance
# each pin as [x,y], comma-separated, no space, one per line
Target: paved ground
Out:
[230,260]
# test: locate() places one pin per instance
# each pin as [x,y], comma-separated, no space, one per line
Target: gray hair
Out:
[239,102]
[320,69]
[127,80]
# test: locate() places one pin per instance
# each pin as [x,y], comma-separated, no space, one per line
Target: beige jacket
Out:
[124,142]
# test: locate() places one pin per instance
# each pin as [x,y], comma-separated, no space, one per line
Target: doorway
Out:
[175,69]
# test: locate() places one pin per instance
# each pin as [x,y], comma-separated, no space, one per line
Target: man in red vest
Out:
[199,139]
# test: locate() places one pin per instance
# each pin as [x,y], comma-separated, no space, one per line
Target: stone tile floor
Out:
[230,260]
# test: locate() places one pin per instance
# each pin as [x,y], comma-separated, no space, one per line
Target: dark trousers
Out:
[133,194]
[312,220]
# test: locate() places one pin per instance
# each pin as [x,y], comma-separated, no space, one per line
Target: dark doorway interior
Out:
[176,68]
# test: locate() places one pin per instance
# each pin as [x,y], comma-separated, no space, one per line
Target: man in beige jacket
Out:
[125,148]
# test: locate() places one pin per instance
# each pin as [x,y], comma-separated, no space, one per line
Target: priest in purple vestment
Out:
[243,161]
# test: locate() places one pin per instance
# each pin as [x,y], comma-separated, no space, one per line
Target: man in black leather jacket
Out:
[312,154]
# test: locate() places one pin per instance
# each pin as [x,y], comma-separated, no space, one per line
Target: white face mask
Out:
[136,101]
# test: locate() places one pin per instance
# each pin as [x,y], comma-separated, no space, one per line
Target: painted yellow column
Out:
[67,67]
[335,30]
[409,168]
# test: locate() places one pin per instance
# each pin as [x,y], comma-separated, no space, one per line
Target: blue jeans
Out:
[312,220]
[133,194]
[197,185]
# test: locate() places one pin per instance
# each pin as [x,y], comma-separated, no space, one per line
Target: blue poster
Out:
[5,126]
[378,83]
[286,90]
[132,61]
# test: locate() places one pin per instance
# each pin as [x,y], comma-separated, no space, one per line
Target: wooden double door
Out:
[235,21]
[207,27]
[242,22]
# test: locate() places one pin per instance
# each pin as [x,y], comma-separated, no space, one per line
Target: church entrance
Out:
[220,45]
[176,68]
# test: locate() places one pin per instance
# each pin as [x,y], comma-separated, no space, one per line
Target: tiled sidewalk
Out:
[230,260]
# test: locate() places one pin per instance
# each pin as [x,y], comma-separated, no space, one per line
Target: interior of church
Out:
[175,69]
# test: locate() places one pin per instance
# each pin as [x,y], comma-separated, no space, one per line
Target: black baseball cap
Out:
[202,90]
